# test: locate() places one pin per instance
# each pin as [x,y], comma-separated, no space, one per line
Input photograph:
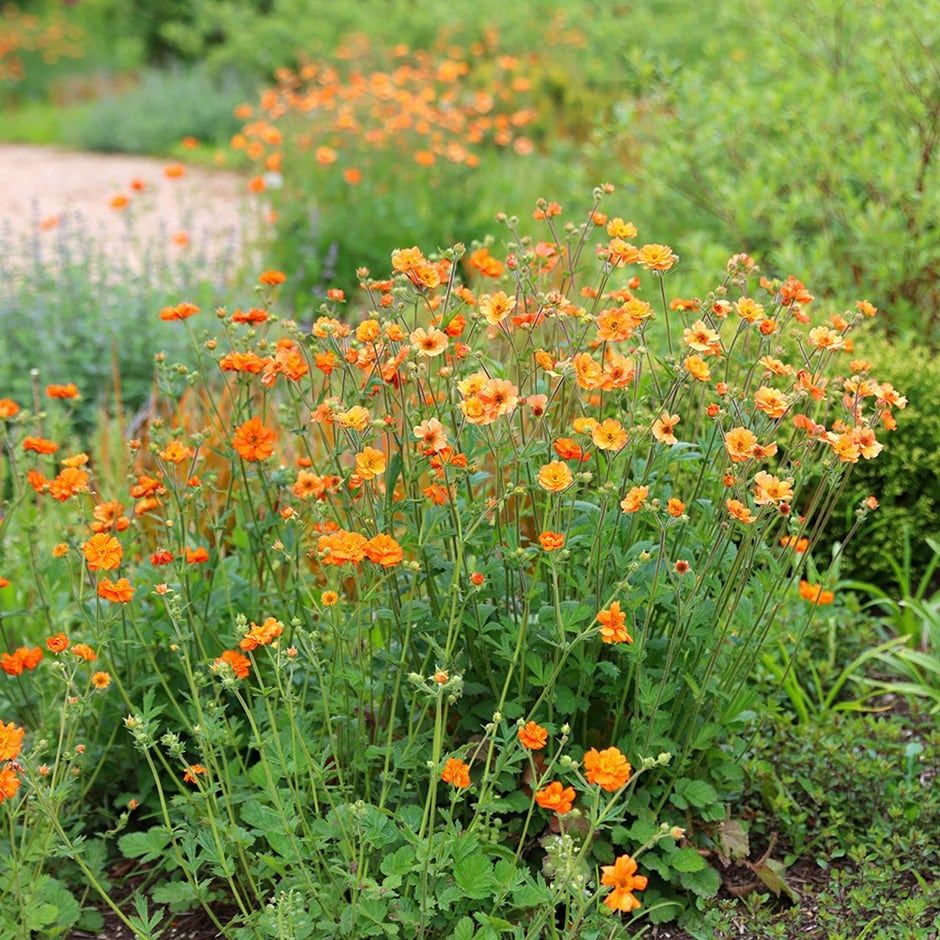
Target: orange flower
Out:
[664,429]
[329,598]
[194,770]
[624,880]
[551,541]
[85,652]
[103,552]
[532,736]
[815,594]
[262,635]
[182,311]
[740,444]
[556,798]
[9,783]
[241,665]
[634,499]
[341,548]
[8,409]
[271,278]
[11,741]
[383,550]
[739,511]
[456,772]
[771,489]
[174,171]
[702,339]
[118,592]
[567,449]
[101,680]
[609,435]
[771,401]
[613,624]
[62,391]
[657,257]
[370,463]
[67,483]
[253,441]
[609,769]
[432,435]
[496,307]
[57,643]
[799,545]
[555,477]
[39,445]
[176,452]
[428,343]
[675,507]
[196,556]
[108,516]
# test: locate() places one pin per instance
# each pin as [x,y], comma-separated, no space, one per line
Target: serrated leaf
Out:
[699,793]
[41,915]
[565,702]
[704,883]
[474,876]
[687,859]
[180,895]
[464,929]
[147,846]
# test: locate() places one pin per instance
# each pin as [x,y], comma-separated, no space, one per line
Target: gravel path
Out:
[205,211]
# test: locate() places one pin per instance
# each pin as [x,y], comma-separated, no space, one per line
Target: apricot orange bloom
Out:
[11,741]
[664,429]
[532,736]
[634,499]
[657,257]
[456,772]
[341,548]
[39,445]
[85,652]
[57,643]
[739,511]
[556,798]
[624,880]
[555,477]
[551,541]
[613,623]
[770,489]
[9,783]
[241,665]
[253,441]
[103,552]
[609,769]
[8,409]
[262,635]
[383,550]
[815,594]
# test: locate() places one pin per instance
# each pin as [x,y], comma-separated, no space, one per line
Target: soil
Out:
[41,188]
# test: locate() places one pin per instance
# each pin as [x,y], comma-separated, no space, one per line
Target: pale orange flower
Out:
[370,463]
[624,880]
[771,401]
[739,511]
[609,769]
[613,623]
[101,680]
[634,499]
[496,307]
[657,257]
[357,418]
[555,477]
[740,444]
[702,338]
[675,507]
[609,435]
[664,429]
[771,490]
[697,368]
[85,652]
[262,635]
[176,452]
[11,741]
[428,343]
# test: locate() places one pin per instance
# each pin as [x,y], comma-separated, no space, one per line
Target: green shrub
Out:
[165,107]
[904,478]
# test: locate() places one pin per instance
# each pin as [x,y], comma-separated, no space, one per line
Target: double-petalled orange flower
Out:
[253,441]
[556,798]
[532,736]
[613,623]
[609,769]
[456,772]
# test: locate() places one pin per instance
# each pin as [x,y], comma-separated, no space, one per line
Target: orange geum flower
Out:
[8,409]
[68,482]
[618,228]
[822,337]
[675,507]
[262,635]
[702,339]
[40,445]
[588,372]
[357,418]
[740,444]
[182,311]
[428,343]
[845,447]
[174,171]
[551,541]
[456,772]
[620,252]
[57,643]
[697,368]
[532,736]
[567,449]
[556,798]
[118,592]
[4,583]
[254,315]
[103,552]
[664,429]
[341,548]
[272,278]
[240,665]
[253,441]
[634,499]
[383,550]
[196,556]
[9,783]
[771,490]
[815,593]
[485,263]
[613,623]
[657,257]
[101,680]
[609,769]
[555,477]
[624,880]
[776,366]
[85,652]
[771,401]
[11,741]
[496,307]
[109,516]
[749,309]
[62,391]
[329,598]
[195,770]
[176,452]
[739,511]
[798,544]
[370,463]
[609,435]
[248,362]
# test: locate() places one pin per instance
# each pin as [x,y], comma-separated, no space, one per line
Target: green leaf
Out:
[704,883]
[565,702]
[464,930]
[773,874]
[686,860]
[41,915]
[180,895]
[474,876]
[147,846]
